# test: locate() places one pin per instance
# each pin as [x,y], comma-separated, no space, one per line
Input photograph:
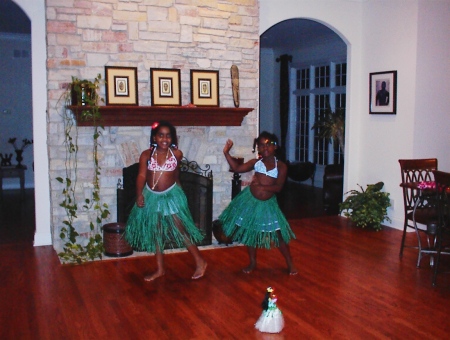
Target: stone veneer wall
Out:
[85,36]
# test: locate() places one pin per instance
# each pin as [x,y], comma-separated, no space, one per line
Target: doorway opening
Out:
[303,72]
[16,126]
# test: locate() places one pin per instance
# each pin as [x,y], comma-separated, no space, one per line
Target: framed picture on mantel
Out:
[205,88]
[165,87]
[121,85]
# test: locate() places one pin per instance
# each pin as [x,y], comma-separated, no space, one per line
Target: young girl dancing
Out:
[253,217]
[161,212]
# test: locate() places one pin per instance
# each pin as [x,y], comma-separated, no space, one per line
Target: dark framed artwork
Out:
[383,93]
[205,88]
[165,87]
[121,85]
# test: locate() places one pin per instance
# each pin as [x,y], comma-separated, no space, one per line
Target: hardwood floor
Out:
[352,285]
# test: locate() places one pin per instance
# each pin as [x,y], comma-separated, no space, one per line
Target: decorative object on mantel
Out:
[79,248]
[82,91]
[121,85]
[121,115]
[165,86]
[235,84]
[205,88]
[19,151]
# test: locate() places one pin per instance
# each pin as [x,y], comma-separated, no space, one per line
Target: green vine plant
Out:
[78,248]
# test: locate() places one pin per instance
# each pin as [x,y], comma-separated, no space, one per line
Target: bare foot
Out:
[154,276]
[249,268]
[293,270]
[200,271]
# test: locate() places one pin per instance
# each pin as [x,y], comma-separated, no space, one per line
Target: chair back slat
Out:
[415,170]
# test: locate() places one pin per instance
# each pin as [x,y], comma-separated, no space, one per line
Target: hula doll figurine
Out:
[161,212]
[253,217]
[271,319]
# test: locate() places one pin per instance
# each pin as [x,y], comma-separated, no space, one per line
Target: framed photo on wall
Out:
[205,88]
[165,87]
[121,85]
[383,93]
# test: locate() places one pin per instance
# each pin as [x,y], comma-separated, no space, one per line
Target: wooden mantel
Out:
[115,115]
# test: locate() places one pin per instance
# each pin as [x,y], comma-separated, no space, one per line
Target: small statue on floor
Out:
[6,160]
[271,319]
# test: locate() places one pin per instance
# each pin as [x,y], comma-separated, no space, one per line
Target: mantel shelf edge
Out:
[125,115]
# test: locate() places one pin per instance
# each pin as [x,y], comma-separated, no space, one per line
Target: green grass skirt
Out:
[154,226]
[254,222]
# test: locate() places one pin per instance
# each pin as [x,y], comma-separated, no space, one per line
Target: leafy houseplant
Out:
[80,248]
[331,125]
[367,207]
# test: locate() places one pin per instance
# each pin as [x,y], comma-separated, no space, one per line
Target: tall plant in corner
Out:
[79,248]
[331,125]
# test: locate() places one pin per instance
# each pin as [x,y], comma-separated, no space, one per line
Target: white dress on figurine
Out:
[271,319]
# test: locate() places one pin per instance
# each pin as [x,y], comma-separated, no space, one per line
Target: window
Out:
[317,88]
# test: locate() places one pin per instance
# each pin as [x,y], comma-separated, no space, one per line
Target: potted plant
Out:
[79,248]
[83,91]
[331,125]
[367,207]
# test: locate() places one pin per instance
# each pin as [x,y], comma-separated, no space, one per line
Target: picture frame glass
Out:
[383,92]
[205,88]
[165,87]
[121,85]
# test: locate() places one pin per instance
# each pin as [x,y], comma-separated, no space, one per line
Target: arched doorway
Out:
[303,70]
[35,11]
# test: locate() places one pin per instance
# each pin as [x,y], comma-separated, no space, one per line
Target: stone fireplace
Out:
[209,35]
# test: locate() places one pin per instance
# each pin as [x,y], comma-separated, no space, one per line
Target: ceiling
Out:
[296,33]
[13,19]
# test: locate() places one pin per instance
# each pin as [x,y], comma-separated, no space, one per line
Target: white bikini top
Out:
[169,165]
[261,168]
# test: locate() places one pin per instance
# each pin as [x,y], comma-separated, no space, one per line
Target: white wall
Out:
[411,37]
[432,100]
[36,12]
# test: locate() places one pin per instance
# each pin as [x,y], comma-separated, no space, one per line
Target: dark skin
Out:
[263,187]
[160,181]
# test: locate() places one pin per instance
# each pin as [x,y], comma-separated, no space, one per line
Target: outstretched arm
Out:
[234,165]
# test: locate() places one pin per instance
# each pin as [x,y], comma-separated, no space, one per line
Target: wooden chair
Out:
[443,227]
[412,171]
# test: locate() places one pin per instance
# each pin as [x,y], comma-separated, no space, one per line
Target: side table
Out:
[13,172]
